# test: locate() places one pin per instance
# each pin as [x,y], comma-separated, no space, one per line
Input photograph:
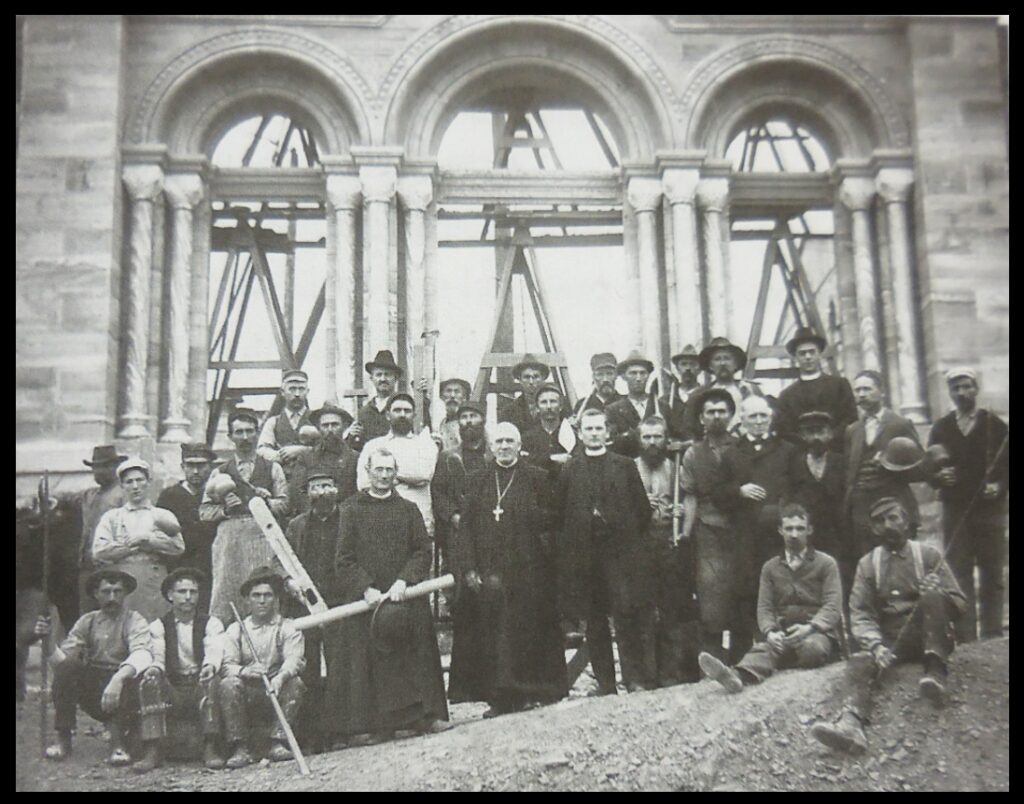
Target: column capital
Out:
[416,192]
[143,182]
[643,193]
[894,184]
[680,184]
[856,192]
[379,183]
[713,194]
[343,190]
[184,190]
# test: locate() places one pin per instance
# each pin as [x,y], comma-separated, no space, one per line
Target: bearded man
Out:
[330,454]
[454,391]
[372,419]
[603,368]
[549,443]
[682,388]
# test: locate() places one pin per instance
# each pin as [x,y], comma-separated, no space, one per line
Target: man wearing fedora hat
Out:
[97,665]
[96,501]
[813,390]
[682,387]
[188,650]
[624,416]
[720,360]
[454,391]
[389,677]
[372,420]
[330,454]
[530,373]
[603,369]
[973,485]
[279,438]
[183,499]
[139,538]
[280,655]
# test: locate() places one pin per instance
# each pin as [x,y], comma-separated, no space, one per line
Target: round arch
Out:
[561,61]
[846,106]
[195,94]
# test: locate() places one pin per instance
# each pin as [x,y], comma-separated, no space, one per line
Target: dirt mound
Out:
[691,737]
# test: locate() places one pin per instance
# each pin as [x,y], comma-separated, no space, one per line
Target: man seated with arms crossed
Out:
[798,609]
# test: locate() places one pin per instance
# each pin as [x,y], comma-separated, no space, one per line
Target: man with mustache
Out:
[454,392]
[549,443]
[416,454]
[683,386]
[330,454]
[902,607]
[624,416]
[720,360]
[603,370]
[798,609]
[279,437]
[106,495]
[372,419]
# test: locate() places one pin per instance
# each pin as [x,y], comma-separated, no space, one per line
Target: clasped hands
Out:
[789,637]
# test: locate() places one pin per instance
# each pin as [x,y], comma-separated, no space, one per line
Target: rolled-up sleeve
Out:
[266,448]
[209,509]
[158,645]
[293,650]
[232,651]
[105,548]
[139,644]
[73,646]
[213,644]
[278,504]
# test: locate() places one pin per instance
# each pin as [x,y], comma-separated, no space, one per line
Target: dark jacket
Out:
[972,455]
[857,450]
[823,500]
[624,422]
[828,393]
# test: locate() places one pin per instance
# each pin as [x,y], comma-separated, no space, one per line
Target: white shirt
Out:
[213,645]
[872,422]
[796,560]
[267,446]
[119,526]
[416,456]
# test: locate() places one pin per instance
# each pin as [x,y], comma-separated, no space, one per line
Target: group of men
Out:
[653,519]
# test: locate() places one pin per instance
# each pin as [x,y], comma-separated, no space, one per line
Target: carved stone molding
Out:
[894,184]
[680,186]
[343,191]
[184,190]
[643,194]
[379,184]
[713,194]
[415,192]
[143,182]
[856,193]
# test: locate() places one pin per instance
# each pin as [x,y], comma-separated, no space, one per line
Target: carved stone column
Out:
[680,187]
[340,300]
[712,196]
[144,183]
[184,191]
[378,186]
[893,186]
[415,194]
[856,193]
[643,195]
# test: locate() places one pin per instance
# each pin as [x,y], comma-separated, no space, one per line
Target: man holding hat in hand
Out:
[140,539]
[372,419]
[96,501]
[279,439]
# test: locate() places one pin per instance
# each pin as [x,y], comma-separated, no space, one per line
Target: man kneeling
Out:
[187,651]
[798,610]
[280,654]
[903,605]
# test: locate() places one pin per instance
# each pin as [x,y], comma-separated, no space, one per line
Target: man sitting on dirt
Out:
[187,650]
[902,606]
[96,667]
[798,610]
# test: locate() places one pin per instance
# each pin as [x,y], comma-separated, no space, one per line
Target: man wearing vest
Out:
[624,416]
[240,545]
[372,418]
[187,650]
[279,438]
[902,608]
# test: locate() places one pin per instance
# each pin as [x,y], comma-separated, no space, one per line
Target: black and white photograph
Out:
[500,403]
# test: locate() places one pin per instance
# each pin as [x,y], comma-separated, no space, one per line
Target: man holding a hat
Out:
[372,420]
[624,416]
[720,360]
[280,654]
[188,649]
[973,483]
[550,442]
[140,539]
[279,438]
[240,545]
[681,390]
[330,454]
[97,665]
[902,606]
[813,390]
[604,369]
[183,499]
[95,503]
[454,392]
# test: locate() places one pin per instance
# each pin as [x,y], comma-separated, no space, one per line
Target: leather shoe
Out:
[211,757]
[847,735]
[717,670]
[61,749]
[150,759]
[240,758]
[279,752]
[932,689]
[432,725]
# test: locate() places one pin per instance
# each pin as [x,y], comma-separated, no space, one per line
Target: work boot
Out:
[933,685]
[150,758]
[279,752]
[719,671]
[602,690]
[118,756]
[211,756]
[240,757]
[433,725]
[845,735]
[61,748]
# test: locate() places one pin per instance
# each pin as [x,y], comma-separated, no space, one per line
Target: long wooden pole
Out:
[44,509]
[361,606]
[288,733]
[675,498]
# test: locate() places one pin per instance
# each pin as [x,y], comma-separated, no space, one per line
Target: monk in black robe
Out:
[385,668]
[507,644]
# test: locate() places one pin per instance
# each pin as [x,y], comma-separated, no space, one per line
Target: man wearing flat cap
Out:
[183,499]
[454,392]
[372,418]
[240,545]
[188,650]
[902,607]
[720,360]
[96,501]
[681,389]
[973,482]
[140,539]
[549,443]
[97,667]
[813,390]
[279,438]
[531,373]
[604,370]
[624,416]
[330,454]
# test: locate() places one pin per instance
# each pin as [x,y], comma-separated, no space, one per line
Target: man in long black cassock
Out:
[814,390]
[604,557]
[314,538]
[385,667]
[507,645]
